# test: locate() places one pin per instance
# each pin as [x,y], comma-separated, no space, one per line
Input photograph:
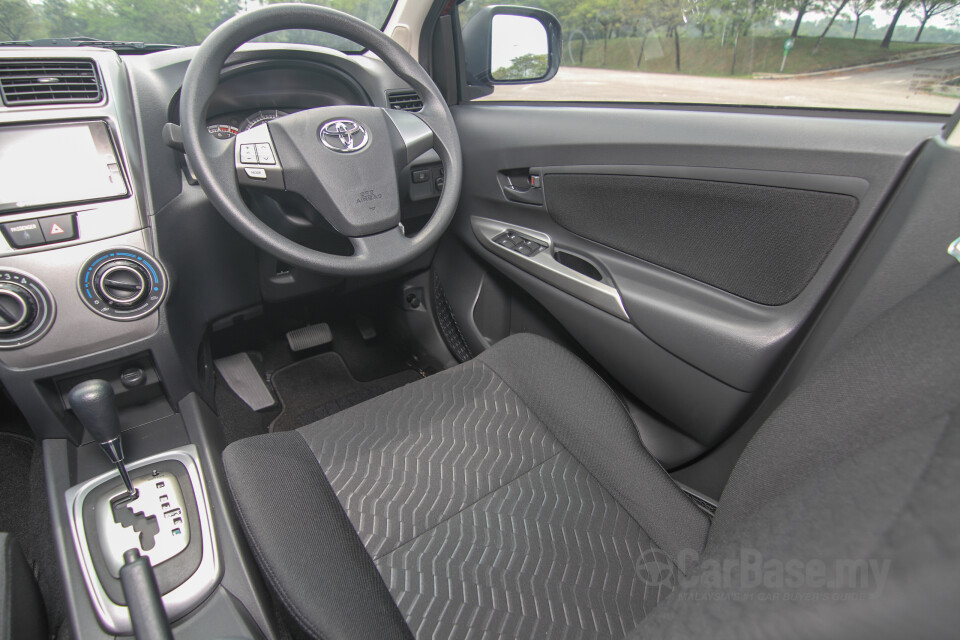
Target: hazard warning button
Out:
[59,228]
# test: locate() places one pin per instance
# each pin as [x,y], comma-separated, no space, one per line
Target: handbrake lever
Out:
[143,598]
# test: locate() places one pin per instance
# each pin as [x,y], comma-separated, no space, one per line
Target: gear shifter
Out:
[93,404]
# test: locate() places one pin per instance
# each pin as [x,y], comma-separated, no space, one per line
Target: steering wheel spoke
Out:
[383,243]
[416,136]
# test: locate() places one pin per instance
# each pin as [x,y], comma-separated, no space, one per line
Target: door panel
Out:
[686,251]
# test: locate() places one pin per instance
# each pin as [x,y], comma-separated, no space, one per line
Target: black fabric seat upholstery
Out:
[511,497]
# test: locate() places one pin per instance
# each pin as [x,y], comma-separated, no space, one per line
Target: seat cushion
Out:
[507,497]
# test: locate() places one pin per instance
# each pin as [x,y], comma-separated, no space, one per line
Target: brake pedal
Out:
[308,337]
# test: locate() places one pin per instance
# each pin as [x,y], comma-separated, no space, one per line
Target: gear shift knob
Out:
[93,404]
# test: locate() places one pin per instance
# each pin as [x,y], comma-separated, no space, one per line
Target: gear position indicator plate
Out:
[154,522]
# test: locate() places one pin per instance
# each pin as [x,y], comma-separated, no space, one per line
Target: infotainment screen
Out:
[42,165]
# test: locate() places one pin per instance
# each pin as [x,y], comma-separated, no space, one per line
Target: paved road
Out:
[890,88]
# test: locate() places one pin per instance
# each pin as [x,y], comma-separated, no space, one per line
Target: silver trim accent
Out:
[164,503]
[148,306]
[341,135]
[115,618]
[543,265]
[46,310]
[954,249]
[24,309]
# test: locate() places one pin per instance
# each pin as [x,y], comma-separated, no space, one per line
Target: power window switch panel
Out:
[505,241]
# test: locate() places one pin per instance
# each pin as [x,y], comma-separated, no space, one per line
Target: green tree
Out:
[743,15]
[60,19]
[926,9]
[801,7]
[901,6]
[858,8]
[603,13]
[837,6]
[529,66]
[17,17]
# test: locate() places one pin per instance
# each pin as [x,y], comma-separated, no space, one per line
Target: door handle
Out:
[533,195]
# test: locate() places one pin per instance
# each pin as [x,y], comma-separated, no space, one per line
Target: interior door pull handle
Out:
[533,195]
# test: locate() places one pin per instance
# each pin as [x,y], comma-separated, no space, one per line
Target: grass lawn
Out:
[760,54]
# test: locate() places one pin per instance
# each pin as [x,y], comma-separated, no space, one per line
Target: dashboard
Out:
[109,248]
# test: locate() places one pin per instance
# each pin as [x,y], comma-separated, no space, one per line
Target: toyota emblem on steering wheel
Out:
[343,136]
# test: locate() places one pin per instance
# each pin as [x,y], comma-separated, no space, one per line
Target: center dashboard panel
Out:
[71,197]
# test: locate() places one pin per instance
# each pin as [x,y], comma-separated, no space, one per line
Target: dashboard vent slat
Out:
[49,81]
[404,100]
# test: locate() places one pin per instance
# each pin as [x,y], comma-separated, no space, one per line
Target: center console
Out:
[82,301]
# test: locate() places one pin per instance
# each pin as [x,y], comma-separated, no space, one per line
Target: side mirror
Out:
[512,45]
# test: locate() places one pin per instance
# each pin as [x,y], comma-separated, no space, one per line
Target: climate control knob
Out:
[18,308]
[27,309]
[122,284]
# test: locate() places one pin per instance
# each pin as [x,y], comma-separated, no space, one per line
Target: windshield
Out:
[182,22]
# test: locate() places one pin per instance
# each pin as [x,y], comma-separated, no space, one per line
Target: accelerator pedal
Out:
[365,326]
[242,377]
[308,337]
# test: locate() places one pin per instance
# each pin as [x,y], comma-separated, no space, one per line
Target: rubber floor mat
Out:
[321,386]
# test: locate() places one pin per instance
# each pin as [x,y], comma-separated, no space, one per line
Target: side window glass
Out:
[881,55]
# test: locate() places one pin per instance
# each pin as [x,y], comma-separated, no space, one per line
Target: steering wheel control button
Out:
[265,154]
[59,228]
[26,309]
[343,135]
[23,234]
[420,175]
[248,154]
[122,284]
[255,147]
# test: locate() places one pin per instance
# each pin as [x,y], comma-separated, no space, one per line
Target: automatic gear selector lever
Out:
[93,404]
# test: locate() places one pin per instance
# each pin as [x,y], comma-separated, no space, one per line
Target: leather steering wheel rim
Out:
[212,159]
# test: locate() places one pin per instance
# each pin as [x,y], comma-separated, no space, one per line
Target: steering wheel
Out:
[343,160]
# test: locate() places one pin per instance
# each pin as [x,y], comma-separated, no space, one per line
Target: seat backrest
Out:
[841,517]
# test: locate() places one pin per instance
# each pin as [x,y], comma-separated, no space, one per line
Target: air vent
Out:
[30,82]
[404,100]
